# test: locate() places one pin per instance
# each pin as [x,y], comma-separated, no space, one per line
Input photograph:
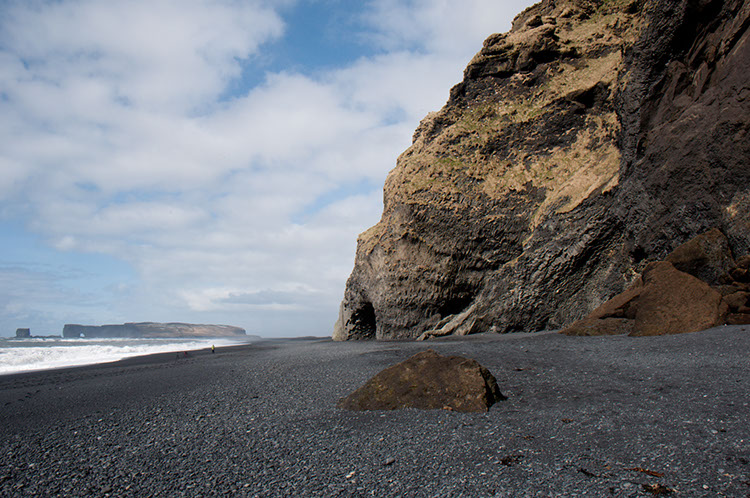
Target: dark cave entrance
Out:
[455,305]
[362,321]
[457,300]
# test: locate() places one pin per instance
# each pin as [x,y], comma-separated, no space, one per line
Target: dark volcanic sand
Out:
[585,416]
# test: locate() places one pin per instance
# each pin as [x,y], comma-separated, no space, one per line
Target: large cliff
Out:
[593,137]
[151,329]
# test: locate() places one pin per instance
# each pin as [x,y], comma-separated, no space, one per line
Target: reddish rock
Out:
[428,381]
[726,290]
[706,256]
[600,326]
[737,300]
[674,302]
[616,316]
[663,301]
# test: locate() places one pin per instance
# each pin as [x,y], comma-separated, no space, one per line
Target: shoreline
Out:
[142,359]
[582,416]
[249,339]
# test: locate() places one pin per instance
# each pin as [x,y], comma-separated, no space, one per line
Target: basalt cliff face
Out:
[594,137]
[151,329]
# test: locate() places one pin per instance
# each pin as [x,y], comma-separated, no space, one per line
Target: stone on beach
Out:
[707,256]
[428,381]
[662,301]
[675,302]
[674,296]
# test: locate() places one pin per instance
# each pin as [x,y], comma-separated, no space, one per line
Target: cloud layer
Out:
[126,132]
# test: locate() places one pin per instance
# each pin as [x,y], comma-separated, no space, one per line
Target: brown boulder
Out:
[738,319]
[663,301]
[675,302]
[736,292]
[737,300]
[428,381]
[616,316]
[600,326]
[706,256]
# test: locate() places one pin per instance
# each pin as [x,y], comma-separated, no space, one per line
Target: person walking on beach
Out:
[213,349]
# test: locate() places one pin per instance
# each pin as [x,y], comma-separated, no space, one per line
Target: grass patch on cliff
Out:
[430,172]
[492,145]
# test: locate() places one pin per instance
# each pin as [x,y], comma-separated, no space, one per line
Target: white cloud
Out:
[162,54]
[444,27]
[117,136]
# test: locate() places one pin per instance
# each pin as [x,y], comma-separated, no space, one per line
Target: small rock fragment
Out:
[658,489]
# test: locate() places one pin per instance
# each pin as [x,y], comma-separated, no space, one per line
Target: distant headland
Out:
[152,329]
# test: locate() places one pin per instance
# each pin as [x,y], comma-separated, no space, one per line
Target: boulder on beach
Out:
[23,333]
[674,296]
[428,381]
[662,301]
[674,302]
[707,256]
[736,292]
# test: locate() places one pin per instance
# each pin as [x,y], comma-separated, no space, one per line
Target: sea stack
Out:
[593,138]
[23,333]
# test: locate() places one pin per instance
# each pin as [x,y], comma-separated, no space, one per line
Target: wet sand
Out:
[603,416]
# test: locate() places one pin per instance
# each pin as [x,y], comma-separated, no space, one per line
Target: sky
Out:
[209,161]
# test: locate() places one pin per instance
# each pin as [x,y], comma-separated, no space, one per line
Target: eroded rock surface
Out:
[594,137]
[428,381]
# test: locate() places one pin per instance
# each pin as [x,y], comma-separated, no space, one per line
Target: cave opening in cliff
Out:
[455,304]
[362,321]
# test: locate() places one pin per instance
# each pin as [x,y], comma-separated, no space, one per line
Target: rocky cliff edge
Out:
[594,137]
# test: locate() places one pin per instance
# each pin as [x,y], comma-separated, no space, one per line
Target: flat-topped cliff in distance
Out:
[593,138]
[151,329]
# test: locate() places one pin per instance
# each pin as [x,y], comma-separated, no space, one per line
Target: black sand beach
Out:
[596,416]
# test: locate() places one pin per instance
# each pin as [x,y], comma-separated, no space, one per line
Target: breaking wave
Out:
[26,355]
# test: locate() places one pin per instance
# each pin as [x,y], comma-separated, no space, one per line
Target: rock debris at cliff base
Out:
[698,286]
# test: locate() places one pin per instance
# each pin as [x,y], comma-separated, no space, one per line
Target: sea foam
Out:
[25,355]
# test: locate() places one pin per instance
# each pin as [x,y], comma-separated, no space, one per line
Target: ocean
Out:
[26,355]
